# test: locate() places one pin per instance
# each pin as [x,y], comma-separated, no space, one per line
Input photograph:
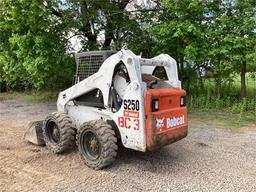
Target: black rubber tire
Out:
[107,141]
[66,132]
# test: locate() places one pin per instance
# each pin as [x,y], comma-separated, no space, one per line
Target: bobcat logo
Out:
[160,123]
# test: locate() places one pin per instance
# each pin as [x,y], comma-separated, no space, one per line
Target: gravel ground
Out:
[209,159]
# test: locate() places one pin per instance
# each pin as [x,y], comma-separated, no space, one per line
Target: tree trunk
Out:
[182,68]
[218,86]
[243,82]
[201,83]
[109,36]
[87,25]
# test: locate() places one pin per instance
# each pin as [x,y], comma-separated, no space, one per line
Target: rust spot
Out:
[167,138]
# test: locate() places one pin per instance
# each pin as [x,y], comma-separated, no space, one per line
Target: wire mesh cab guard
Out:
[88,63]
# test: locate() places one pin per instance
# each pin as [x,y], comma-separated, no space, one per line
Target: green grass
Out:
[205,99]
[230,87]
[222,119]
[229,110]
[30,96]
[250,85]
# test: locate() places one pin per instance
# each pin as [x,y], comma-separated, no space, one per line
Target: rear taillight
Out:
[155,105]
[183,101]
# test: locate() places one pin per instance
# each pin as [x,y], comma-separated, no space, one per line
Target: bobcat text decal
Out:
[169,122]
[172,122]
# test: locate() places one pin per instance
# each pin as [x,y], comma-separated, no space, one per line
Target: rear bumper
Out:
[156,140]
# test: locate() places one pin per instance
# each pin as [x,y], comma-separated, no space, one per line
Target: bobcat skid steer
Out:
[116,98]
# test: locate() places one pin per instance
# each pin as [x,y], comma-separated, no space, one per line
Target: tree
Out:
[35,37]
[215,35]
[180,31]
[218,50]
[241,38]
[104,24]
[33,46]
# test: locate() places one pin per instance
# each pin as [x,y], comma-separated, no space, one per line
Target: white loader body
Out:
[132,128]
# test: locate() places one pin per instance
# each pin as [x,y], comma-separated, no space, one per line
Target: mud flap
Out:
[34,133]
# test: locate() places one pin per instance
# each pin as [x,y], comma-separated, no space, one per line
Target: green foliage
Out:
[34,38]
[181,31]
[206,99]
[33,48]
[214,36]
[229,104]
[90,18]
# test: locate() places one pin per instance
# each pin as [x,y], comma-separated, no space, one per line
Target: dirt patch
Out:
[209,159]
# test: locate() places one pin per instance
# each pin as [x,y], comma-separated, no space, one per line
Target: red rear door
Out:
[166,116]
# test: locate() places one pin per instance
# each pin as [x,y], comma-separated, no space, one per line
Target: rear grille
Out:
[89,63]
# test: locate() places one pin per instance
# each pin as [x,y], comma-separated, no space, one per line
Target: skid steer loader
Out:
[116,98]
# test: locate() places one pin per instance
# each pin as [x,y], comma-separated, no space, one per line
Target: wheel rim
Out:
[53,132]
[91,147]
